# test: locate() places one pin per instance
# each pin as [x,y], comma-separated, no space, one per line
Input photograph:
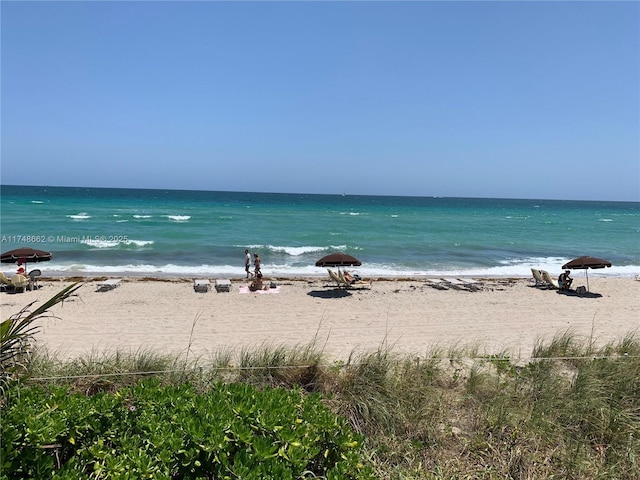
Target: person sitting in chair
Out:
[348,277]
[565,280]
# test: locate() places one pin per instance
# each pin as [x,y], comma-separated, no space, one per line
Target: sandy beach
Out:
[410,315]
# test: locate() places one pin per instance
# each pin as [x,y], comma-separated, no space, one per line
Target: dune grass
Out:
[572,410]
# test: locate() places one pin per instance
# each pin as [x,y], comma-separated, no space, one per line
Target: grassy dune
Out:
[569,411]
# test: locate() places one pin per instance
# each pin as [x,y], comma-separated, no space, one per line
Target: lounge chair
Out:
[333,276]
[470,284]
[537,276]
[437,284]
[19,282]
[201,285]
[223,285]
[109,284]
[351,281]
[33,279]
[551,282]
[453,283]
[5,282]
[458,284]
[340,282]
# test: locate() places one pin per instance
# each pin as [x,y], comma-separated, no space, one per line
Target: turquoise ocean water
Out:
[187,233]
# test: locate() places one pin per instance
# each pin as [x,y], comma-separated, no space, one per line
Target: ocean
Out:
[103,231]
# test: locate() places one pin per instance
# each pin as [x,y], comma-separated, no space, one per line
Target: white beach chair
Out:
[471,284]
[336,278]
[110,284]
[455,283]
[437,284]
[201,285]
[537,276]
[550,281]
[223,285]
[354,283]
[5,282]
[19,282]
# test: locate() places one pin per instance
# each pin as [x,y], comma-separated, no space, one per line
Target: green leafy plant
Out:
[16,334]
[175,432]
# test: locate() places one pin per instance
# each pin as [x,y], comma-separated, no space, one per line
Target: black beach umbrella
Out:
[25,255]
[585,263]
[338,259]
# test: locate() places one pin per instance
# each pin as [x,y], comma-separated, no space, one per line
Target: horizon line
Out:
[343,194]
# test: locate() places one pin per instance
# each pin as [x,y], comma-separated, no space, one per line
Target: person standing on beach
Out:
[247,263]
[256,264]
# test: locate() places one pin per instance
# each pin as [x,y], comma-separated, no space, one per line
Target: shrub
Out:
[154,431]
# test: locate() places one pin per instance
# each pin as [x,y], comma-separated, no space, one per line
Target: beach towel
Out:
[245,289]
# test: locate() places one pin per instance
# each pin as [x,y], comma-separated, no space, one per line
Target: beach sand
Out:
[408,315]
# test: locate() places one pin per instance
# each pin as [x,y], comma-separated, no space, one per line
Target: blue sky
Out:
[473,99]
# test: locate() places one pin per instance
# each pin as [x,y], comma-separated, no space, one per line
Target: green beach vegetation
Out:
[570,410]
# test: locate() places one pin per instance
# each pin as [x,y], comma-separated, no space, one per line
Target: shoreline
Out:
[91,276]
[409,315]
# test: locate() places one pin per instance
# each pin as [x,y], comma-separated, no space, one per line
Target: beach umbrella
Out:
[585,263]
[25,255]
[338,259]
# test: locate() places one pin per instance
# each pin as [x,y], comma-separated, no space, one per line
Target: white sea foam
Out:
[369,271]
[296,251]
[109,243]
[143,216]
[80,216]
[606,220]
[96,243]
[36,201]
[139,243]
[179,218]
[291,250]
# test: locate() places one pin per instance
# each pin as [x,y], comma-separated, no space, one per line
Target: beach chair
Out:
[353,282]
[201,285]
[19,282]
[551,282]
[537,276]
[223,285]
[437,284]
[33,279]
[109,284]
[5,283]
[470,284]
[455,284]
[335,277]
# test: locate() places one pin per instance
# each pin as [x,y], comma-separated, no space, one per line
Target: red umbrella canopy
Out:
[586,262]
[25,255]
[338,259]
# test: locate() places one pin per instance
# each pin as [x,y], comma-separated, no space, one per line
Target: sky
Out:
[504,99]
